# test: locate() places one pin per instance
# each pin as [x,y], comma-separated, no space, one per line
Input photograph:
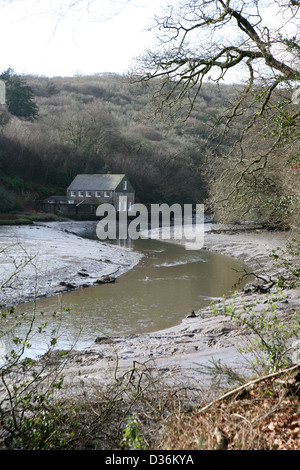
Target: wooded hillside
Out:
[99,124]
[105,123]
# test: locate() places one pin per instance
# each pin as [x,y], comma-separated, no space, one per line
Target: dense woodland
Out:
[100,124]
[106,123]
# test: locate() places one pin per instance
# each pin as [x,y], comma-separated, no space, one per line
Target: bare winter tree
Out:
[206,40]
[76,8]
[256,45]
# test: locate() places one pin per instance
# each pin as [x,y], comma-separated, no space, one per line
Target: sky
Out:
[45,38]
[40,37]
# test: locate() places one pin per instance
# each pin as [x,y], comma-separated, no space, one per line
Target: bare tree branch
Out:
[204,40]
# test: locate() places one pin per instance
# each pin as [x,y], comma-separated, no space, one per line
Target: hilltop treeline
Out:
[100,124]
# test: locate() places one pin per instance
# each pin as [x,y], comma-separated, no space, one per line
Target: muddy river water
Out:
[167,284]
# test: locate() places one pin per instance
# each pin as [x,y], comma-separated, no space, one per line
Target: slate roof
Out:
[95,182]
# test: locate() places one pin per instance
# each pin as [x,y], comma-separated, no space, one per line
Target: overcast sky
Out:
[42,37]
[35,39]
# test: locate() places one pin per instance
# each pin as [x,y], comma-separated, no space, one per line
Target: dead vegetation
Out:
[138,410]
[260,415]
[264,416]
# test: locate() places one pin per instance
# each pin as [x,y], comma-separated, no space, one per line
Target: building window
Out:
[124,185]
[88,194]
[80,193]
[73,193]
[98,194]
[106,194]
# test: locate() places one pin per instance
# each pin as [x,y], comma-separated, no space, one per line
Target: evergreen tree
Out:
[19,96]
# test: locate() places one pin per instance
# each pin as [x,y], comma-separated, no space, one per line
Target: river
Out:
[167,284]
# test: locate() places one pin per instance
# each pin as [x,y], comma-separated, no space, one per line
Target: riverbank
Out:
[182,354]
[63,260]
[48,259]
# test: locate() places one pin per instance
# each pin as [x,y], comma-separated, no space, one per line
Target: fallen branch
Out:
[249,384]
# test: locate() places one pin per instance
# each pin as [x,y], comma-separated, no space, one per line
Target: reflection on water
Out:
[163,288]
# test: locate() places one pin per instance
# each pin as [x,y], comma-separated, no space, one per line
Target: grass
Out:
[28,218]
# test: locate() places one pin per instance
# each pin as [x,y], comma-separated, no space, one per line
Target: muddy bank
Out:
[48,259]
[177,355]
[183,353]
